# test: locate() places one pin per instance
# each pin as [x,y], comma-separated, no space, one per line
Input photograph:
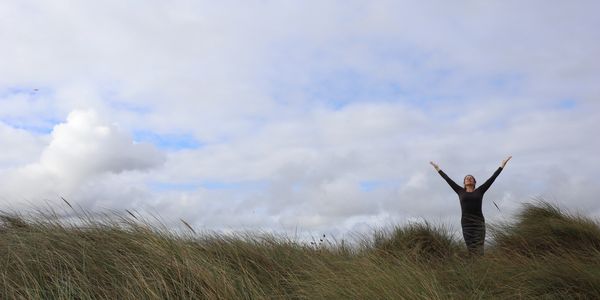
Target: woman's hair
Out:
[474,181]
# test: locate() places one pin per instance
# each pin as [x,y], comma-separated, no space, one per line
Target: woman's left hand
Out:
[505,161]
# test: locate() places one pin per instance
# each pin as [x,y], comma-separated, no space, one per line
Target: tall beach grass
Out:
[544,253]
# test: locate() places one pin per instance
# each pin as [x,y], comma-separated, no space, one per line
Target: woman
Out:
[472,220]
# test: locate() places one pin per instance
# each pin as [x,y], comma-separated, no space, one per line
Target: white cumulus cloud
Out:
[80,150]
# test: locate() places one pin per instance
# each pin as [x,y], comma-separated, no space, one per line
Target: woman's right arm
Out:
[457,188]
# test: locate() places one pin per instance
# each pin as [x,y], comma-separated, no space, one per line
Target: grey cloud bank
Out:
[321,116]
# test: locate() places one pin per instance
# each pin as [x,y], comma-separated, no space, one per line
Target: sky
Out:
[318,117]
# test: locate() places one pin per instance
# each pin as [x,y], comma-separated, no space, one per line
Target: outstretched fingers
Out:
[505,161]
[434,165]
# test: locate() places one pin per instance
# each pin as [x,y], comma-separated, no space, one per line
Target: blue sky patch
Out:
[6,92]
[41,127]
[170,141]
[567,104]
[369,185]
[234,185]
[509,82]
[173,186]
[343,87]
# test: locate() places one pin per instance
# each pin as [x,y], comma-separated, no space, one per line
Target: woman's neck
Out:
[469,188]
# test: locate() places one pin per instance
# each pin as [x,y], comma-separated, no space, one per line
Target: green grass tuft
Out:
[543,228]
[417,241]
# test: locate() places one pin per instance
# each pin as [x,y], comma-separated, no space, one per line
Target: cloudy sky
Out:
[310,116]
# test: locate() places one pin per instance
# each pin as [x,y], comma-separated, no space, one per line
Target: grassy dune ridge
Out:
[544,253]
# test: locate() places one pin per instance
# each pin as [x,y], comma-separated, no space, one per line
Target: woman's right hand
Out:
[437,168]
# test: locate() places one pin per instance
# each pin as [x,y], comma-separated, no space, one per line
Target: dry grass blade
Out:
[188,226]
[131,214]
[67,202]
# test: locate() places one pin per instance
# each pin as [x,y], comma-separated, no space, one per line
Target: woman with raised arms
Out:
[472,220]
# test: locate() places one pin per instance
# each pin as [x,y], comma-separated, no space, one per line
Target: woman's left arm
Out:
[486,185]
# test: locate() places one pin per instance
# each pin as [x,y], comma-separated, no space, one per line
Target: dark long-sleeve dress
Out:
[472,220]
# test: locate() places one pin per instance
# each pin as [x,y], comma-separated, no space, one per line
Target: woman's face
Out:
[469,180]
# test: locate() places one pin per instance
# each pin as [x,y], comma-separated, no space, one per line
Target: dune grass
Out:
[544,253]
